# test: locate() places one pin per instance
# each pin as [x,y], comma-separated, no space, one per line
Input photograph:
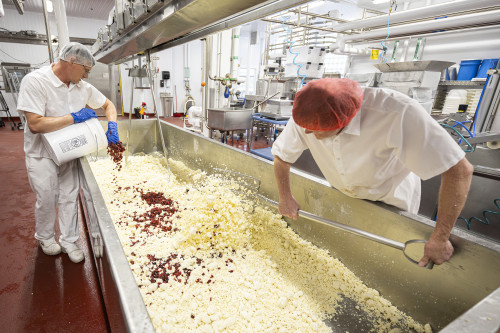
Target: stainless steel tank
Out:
[438,296]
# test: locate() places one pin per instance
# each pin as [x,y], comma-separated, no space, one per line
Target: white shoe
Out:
[50,247]
[74,252]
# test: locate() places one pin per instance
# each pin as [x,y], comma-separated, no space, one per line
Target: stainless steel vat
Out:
[439,296]
[229,119]
[278,109]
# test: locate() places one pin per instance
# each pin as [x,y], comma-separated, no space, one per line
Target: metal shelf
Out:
[462,83]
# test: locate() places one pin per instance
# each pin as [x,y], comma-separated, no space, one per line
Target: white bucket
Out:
[75,141]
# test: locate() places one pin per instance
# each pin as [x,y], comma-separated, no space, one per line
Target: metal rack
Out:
[5,108]
[444,88]
[12,74]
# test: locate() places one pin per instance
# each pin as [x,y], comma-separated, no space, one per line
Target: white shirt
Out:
[381,153]
[43,93]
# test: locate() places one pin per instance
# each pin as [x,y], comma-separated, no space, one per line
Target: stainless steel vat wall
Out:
[436,296]
[125,308]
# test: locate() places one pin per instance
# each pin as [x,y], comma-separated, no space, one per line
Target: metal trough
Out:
[439,296]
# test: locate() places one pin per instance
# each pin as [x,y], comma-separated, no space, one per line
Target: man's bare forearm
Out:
[455,184]
[282,175]
[39,124]
[110,110]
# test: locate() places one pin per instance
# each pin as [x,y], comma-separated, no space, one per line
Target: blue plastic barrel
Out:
[468,69]
[485,65]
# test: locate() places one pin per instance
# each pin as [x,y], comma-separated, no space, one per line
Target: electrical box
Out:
[165,75]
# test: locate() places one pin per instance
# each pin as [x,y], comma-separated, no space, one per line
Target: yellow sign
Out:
[374,55]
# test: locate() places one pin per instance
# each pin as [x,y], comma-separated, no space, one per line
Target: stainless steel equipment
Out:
[411,66]
[417,79]
[437,296]
[229,119]
[12,74]
[278,109]
[176,22]
[365,79]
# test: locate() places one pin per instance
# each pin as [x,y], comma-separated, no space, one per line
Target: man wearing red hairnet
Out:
[374,144]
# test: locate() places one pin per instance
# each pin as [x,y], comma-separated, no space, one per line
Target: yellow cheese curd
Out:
[204,262]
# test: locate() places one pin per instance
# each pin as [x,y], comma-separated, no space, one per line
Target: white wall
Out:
[38,54]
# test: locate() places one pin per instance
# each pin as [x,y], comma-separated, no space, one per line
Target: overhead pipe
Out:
[62,23]
[47,30]
[235,44]
[444,23]
[207,68]
[442,9]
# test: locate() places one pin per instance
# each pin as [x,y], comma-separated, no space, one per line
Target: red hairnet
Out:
[327,104]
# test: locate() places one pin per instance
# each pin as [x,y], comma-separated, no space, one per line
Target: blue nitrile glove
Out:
[112,133]
[83,115]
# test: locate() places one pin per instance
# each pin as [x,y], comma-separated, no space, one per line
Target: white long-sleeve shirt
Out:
[382,154]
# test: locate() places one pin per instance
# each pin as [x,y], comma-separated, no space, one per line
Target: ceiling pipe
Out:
[430,25]
[47,30]
[439,10]
[62,22]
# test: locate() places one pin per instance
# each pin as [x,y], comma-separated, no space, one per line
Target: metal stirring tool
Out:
[359,232]
[251,186]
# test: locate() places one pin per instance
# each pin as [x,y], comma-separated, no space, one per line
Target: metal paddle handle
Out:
[362,233]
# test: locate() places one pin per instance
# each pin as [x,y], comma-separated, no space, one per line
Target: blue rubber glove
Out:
[112,133]
[83,115]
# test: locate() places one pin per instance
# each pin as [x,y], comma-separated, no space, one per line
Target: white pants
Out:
[56,189]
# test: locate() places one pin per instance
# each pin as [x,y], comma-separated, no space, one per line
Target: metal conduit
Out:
[491,17]
[433,11]
[47,29]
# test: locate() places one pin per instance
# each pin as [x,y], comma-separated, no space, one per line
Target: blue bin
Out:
[485,65]
[468,69]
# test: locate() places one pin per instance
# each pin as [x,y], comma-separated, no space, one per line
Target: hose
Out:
[486,221]
[296,54]
[471,148]
[461,123]
[384,47]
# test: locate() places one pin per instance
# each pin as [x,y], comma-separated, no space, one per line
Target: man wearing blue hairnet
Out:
[51,98]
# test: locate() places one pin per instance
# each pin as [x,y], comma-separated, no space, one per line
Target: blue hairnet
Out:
[80,52]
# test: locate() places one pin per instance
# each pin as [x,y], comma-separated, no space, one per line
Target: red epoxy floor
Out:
[40,293]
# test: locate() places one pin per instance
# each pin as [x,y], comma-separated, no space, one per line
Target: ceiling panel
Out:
[95,9]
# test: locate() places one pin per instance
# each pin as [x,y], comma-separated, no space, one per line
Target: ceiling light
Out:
[377,2]
[50,7]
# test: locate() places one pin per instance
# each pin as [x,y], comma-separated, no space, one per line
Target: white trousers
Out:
[56,189]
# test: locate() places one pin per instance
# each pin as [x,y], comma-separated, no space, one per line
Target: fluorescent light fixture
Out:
[50,6]
[378,2]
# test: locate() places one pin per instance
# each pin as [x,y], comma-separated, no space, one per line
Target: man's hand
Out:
[438,251]
[83,115]
[289,207]
[112,133]
[455,183]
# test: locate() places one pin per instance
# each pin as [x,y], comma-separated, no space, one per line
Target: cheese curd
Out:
[205,260]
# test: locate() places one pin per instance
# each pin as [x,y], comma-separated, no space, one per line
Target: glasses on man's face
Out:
[87,70]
